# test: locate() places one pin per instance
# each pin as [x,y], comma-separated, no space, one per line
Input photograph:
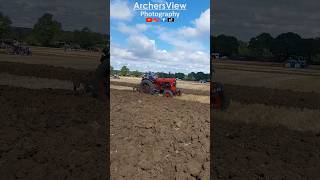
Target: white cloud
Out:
[189,52]
[137,29]
[203,22]
[179,41]
[119,10]
[201,26]
[171,62]
[141,45]
[141,27]
[121,53]
[159,1]
[142,54]
[123,28]
[189,38]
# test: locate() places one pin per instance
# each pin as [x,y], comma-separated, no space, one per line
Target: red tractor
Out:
[151,84]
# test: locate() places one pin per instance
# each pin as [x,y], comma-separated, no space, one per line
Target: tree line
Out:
[48,32]
[125,71]
[264,47]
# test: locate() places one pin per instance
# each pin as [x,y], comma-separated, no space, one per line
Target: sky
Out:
[181,46]
[73,14]
[240,18]
[248,18]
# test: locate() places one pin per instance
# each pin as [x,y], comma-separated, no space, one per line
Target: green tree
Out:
[179,76]
[46,29]
[20,33]
[226,45]
[286,45]
[64,36]
[32,40]
[244,50]
[261,44]
[136,73]
[88,39]
[200,76]
[162,75]
[191,76]
[124,71]
[5,26]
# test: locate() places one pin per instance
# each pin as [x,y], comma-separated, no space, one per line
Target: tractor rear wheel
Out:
[147,86]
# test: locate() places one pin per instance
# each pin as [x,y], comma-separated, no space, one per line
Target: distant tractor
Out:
[296,63]
[203,81]
[115,76]
[151,84]
[19,50]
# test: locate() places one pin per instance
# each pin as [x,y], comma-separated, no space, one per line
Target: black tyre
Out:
[146,86]
[167,93]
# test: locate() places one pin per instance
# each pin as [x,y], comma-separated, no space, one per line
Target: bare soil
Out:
[268,115]
[259,95]
[154,137]
[192,85]
[184,91]
[40,70]
[63,60]
[273,97]
[51,134]
[274,80]
[250,151]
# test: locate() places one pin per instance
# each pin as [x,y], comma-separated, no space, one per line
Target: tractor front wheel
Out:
[167,93]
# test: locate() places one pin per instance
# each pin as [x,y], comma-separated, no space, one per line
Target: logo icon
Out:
[156,20]
[170,19]
[148,19]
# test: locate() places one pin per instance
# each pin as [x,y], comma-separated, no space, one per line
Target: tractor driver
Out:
[152,76]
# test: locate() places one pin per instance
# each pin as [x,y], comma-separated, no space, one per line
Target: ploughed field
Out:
[270,131]
[154,137]
[145,141]
[47,133]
